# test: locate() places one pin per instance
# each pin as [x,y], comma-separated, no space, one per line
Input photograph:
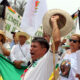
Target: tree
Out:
[19,6]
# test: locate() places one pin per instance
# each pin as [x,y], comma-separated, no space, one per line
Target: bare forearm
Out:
[56,32]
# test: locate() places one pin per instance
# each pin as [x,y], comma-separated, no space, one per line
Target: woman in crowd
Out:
[3,49]
[69,66]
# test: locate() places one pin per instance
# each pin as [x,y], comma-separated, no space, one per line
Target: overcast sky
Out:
[69,5]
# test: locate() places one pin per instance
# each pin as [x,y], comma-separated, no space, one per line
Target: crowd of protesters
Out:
[36,58]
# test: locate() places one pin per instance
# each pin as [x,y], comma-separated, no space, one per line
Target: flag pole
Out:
[53,46]
[55,72]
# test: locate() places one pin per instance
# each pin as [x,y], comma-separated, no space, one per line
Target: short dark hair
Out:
[43,42]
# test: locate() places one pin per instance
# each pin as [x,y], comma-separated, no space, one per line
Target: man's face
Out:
[22,39]
[37,51]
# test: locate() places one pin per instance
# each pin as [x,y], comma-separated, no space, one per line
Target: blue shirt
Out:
[12,44]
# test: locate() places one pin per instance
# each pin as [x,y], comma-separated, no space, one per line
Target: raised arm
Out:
[56,31]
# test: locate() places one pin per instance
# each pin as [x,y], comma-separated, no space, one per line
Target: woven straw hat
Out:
[65,22]
[22,34]
[3,34]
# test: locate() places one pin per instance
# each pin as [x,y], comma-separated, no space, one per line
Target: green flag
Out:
[8,71]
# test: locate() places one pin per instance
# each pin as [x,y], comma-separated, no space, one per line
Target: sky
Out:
[70,6]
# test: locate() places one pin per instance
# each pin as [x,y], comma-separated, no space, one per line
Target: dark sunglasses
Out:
[74,41]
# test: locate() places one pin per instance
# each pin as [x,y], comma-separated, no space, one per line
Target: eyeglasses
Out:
[74,41]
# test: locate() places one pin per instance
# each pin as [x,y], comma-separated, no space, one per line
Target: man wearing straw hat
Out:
[43,60]
[57,23]
[53,23]
[20,52]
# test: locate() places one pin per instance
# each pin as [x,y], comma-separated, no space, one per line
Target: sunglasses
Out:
[74,41]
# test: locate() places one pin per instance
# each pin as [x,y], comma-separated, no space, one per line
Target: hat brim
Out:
[22,34]
[63,31]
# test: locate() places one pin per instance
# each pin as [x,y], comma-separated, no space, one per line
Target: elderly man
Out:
[20,52]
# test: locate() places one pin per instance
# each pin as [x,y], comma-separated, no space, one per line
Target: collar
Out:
[22,45]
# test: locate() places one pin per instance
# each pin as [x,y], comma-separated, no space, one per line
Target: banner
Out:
[33,14]
[13,21]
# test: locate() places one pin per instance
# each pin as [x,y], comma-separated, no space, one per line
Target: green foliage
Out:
[8,27]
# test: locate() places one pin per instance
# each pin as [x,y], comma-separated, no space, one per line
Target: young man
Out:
[20,54]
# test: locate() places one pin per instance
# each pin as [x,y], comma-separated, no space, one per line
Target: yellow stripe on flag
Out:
[51,77]
[1,77]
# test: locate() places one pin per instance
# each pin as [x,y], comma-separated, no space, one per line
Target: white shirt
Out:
[42,70]
[73,57]
[17,54]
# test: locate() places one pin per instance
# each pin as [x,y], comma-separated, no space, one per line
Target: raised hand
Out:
[54,18]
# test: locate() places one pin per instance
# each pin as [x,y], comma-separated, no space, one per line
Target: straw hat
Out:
[22,34]
[65,24]
[3,34]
